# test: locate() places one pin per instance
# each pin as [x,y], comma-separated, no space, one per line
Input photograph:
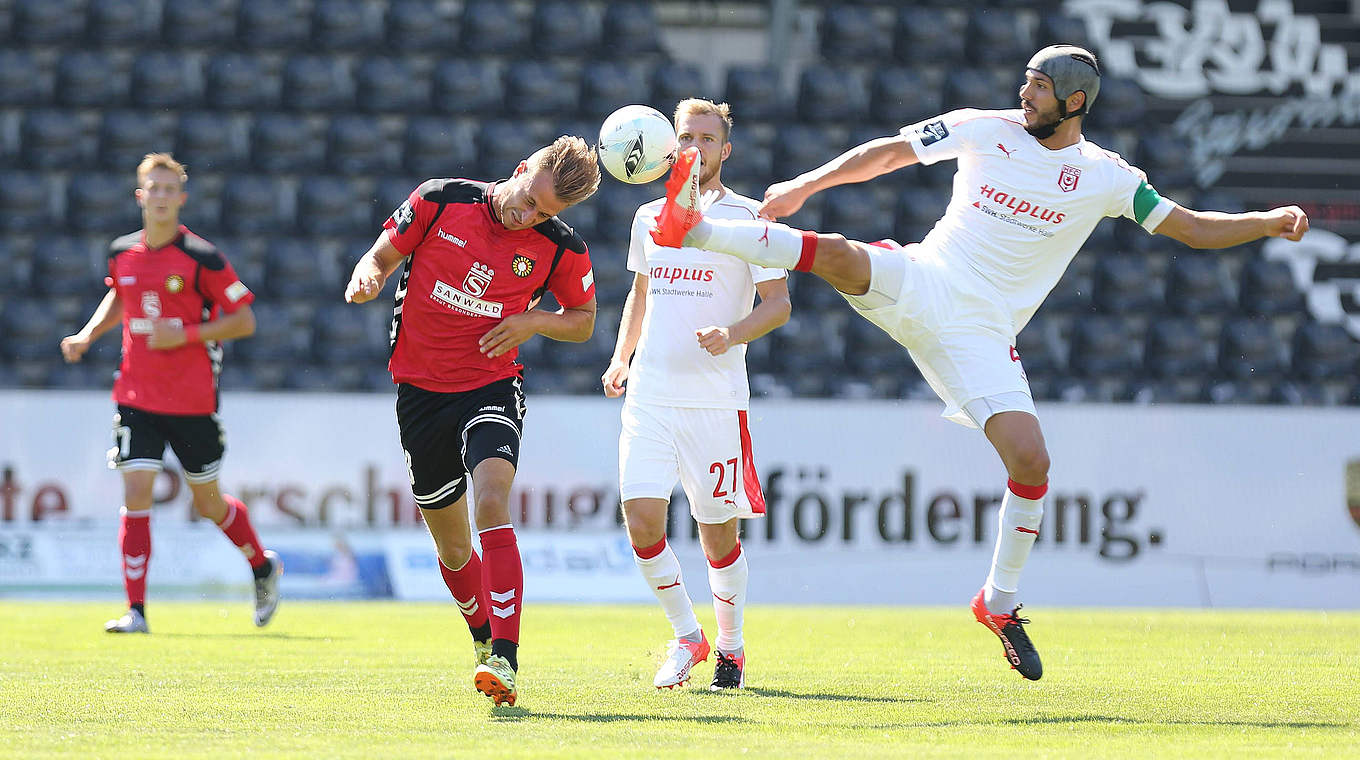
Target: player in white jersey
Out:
[1028,191]
[689,317]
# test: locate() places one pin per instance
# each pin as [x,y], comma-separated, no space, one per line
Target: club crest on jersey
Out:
[151,304]
[478,279]
[174,283]
[521,265]
[1067,178]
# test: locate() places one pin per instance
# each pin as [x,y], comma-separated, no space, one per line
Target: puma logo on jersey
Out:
[669,585]
[1003,150]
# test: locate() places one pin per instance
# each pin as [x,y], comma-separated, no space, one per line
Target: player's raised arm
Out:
[1215,229]
[859,164]
[107,315]
[372,270]
[630,332]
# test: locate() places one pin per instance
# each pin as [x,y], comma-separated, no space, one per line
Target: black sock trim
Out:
[481,632]
[507,649]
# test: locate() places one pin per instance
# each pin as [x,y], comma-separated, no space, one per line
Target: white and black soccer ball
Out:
[637,144]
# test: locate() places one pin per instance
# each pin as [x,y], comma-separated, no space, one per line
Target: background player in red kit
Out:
[165,285]
[478,255]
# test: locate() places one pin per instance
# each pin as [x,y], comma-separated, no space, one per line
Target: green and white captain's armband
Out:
[1149,208]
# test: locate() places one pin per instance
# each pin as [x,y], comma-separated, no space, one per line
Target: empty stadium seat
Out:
[420,26]
[1058,28]
[92,78]
[1305,393]
[29,331]
[1175,390]
[801,147]
[48,21]
[539,88]
[1041,348]
[629,29]
[118,23]
[390,193]
[331,207]
[899,96]
[926,36]
[607,85]
[25,203]
[1101,346]
[918,209]
[564,28]
[1174,348]
[831,94]
[858,212]
[490,27]
[1267,288]
[296,270]
[615,207]
[273,24]
[439,147]
[357,145]
[471,87]
[1197,284]
[673,81]
[809,344]
[855,33]
[1124,283]
[1166,159]
[391,85]
[1249,350]
[755,90]
[997,37]
[126,136]
[501,145]
[199,23]
[1324,352]
[285,143]
[1119,104]
[210,141]
[241,81]
[70,266]
[166,80]
[349,26]
[982,88]
[54,140]
[870,351]
[347,335]
[317,83]
[254,204]
[812,294]
[16,267]
[103,204]
[282,334]
[23,81]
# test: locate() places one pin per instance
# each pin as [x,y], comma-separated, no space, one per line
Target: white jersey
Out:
[1020,211]
[690,288]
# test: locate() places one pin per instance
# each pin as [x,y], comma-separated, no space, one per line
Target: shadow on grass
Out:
[520,713]
[826,697]
[1115,719]
[282,636]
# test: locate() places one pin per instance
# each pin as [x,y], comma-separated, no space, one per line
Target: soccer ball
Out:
[637,144]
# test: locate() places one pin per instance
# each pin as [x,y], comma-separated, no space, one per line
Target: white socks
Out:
[728,584]
[1019,527]
[662,573]
[766,244]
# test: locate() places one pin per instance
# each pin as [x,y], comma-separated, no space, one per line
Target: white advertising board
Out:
[870,502]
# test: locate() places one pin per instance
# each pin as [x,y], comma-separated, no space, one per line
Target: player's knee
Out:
[492,507]
[644,526]
[454,551]
[1029,464]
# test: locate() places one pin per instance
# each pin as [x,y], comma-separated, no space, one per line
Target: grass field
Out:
[379,680]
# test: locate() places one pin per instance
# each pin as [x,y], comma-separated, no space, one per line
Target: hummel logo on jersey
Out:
[506,610]
[492,408]
[135,566]
[1003,150]
[469,607]
[505,450]
[461,243]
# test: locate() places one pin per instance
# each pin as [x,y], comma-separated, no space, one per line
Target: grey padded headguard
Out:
[1071,68]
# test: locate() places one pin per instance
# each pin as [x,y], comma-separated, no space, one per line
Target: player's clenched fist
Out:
[1288,222]
[783,199]
[715,340]
[362,287]
[73,347]
[614,378]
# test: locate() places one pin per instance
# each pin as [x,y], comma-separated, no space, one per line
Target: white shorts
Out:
[962,341]
[707,450]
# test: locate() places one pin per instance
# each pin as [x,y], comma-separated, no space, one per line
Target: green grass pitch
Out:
[377,680]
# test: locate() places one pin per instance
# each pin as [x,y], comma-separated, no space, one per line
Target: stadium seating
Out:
[199,23]
[832,94]
[92,78]
[756,91]
[166,80]
[49,21]
[421,26]
[856,33]
[103,203]
[900,95]
[673,81]
[317,83]
[254,205]
[1267,289]
[273,24]
[347,25]
[629,30]
[490,27]
[1324,352]
[391,86]
[564,28]
[25,205]
[465,86]
[281,142]
[241,81]
[1248,349]
[22,80]
[925,36]
[540,88]
[126,136]
[439,147]
[605,85]
[996,37]
[54,140]
[356,145]
[1175,349]
[1197,284]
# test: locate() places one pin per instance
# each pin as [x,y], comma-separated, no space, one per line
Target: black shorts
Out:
[139,439]
[446,435]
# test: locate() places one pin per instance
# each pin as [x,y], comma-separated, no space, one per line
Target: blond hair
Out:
[160,161]
[701,107]
[573,165]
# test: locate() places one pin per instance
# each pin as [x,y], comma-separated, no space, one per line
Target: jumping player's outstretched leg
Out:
[841,262]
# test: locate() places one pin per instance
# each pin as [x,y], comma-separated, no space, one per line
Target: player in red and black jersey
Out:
[176,297]
[478,256]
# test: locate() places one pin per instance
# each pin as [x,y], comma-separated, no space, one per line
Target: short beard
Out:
[1044,130]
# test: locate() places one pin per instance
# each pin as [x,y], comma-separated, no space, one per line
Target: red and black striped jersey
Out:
[183,282]
[465,272]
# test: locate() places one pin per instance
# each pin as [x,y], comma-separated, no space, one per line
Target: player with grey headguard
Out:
[1028,192]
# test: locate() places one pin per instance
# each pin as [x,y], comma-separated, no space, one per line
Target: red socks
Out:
[503,579]
[134,536]
[236,525]
[465,584]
